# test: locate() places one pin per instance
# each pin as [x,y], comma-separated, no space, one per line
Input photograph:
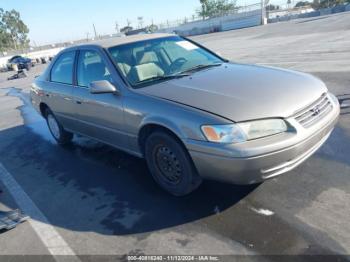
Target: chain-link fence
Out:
[198,18]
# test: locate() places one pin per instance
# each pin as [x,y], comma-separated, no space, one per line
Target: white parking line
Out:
[301,62]
[46,232]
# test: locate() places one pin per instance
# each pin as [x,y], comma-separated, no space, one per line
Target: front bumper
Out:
[219,164]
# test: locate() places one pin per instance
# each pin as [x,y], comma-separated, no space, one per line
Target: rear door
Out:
[100,116]
[59,89]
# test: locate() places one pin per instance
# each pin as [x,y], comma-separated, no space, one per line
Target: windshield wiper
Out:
[200,67]
[161,78]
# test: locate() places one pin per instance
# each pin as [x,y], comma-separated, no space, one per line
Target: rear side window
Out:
[62,70]
[13,59]
[91,68]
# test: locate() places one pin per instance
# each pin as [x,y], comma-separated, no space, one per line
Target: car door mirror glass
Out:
[102,87]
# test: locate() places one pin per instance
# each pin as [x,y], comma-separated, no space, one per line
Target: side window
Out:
[62,70]
[91,68]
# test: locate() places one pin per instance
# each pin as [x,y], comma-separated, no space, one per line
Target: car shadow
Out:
[88,186]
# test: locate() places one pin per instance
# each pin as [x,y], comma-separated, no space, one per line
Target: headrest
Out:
[146,57]
[95,72]
[125,57]
[98,69]
[144,71]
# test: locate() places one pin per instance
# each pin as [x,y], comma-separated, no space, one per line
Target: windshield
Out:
[146,62]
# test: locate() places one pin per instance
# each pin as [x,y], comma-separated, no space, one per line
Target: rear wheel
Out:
[62,136]
[170,164]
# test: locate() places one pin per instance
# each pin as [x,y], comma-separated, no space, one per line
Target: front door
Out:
[100,116]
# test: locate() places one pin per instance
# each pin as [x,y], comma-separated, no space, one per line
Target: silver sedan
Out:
[189,112]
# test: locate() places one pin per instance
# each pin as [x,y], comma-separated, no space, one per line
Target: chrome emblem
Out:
[316,111]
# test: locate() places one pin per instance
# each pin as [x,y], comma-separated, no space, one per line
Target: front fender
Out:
[184,121]
[165,123]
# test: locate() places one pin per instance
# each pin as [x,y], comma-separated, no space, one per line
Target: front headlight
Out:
[262,128]
[241,132]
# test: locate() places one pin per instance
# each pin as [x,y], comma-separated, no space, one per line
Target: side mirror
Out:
[102,87]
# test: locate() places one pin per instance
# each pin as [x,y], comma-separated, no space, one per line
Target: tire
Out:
[61,136]
[170,164]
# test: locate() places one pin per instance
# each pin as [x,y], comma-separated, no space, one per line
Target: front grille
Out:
[314,112]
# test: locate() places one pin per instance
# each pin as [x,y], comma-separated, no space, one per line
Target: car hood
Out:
[242,92]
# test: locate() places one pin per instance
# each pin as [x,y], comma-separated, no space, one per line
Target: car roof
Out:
[115,41]
[16,56]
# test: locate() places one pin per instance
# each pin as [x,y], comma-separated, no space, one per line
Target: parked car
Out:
[20,61]
[43,60]
[190,113]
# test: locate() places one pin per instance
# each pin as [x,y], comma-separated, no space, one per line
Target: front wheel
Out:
[170,164]
[62,136]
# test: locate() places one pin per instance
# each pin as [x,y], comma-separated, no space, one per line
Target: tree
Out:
[152,28]
[272,7]
[204,4]
[212,8]
[318,4]
[13,31]
[126,29]
[4,35]
[315,4]
[302,3]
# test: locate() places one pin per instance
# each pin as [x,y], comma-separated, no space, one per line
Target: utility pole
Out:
[94,30]
[116,26]
[87,36]
[263,12]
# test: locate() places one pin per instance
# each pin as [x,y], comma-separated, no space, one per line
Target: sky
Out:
[51,21]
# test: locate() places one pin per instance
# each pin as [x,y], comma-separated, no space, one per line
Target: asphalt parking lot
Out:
[90,199]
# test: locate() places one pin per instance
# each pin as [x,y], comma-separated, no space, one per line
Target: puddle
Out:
[127,217]
[31,117]
[37,123]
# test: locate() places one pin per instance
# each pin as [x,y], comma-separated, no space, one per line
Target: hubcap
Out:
[53,125]
[168,165]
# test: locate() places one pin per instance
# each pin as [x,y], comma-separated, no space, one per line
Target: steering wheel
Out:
[178,63]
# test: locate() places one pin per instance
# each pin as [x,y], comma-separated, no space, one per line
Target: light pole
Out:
[94,30]
[263,12]
[117,27]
